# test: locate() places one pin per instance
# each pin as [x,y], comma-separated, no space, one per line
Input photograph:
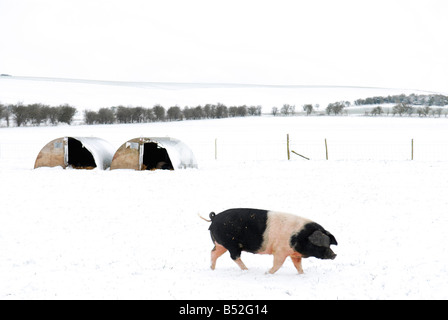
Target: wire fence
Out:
[331,149]
[372,150]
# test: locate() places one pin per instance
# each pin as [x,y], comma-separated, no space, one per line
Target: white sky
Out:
[392,43]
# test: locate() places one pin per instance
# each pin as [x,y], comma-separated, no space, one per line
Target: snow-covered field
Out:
[93,94]
[124,234]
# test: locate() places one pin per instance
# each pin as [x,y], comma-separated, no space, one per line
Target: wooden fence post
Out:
[287,146]
[326,148]
[412,149]
[216,148]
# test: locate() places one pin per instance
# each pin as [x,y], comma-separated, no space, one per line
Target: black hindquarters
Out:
[239,230]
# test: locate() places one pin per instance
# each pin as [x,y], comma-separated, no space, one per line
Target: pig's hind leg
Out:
[217,251]
[235,254]
[240,263]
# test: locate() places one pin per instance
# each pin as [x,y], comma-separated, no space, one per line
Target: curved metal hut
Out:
[78,153]
[152,154]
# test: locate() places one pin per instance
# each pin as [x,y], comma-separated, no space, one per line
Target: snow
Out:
[123,234]
[93,94]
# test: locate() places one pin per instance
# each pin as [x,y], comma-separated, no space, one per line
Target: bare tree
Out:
[288,109]
[308,108]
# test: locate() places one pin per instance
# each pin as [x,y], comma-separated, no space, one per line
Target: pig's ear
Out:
[332,239]
[319,239]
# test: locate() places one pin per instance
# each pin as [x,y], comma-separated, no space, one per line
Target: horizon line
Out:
[203,84]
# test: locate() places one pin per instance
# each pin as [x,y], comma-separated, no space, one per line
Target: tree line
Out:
[400,109]
[290,110]
[422,105]
[408,110]
[122,114]
[36,114]
[407,105]
[414,99]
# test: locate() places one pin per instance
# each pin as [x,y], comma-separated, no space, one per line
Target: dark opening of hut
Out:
[78,156]
[155,157]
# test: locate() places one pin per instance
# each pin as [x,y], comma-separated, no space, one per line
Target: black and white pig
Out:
[268,232]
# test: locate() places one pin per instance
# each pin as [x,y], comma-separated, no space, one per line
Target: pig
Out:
[268,232]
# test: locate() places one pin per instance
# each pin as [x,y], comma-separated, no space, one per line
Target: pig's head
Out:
[313,241]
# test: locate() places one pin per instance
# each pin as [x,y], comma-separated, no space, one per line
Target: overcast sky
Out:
[392,43]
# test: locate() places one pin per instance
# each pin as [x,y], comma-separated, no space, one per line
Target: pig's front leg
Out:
[279,259]
[297,263]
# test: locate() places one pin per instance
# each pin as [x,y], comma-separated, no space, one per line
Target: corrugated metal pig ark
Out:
[154,153]
[77,153]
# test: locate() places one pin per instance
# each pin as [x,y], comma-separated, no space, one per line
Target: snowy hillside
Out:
[92,95]
[125,234]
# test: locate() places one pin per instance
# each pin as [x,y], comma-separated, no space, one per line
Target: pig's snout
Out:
[330,254]
[333,256]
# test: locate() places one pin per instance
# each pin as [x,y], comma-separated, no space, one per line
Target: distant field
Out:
[92,95]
